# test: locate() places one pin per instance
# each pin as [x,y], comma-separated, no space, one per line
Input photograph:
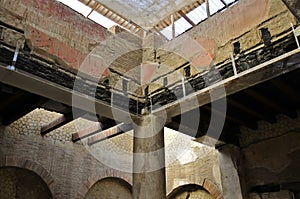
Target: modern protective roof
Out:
[161,16]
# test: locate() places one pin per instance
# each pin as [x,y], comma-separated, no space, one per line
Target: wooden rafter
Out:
[112,15]
[104,123]
[186,18]
[109,133]
[96,6]
[60,121]
[55,124]
[173,26]
[225,4]
[86,132]
[207,8]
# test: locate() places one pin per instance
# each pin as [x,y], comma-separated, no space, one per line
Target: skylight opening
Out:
[197,15]
[215,6]
[167,32]
[100,19]
[85,10]
[229,1]
[181,25]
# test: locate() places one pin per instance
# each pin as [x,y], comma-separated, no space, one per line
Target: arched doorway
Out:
[110,188]
[16,183]
[190,191]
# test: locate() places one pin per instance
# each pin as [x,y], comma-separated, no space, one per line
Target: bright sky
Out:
[85,10]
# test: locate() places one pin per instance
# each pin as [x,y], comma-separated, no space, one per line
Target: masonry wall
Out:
[213,38]
[71,167]
[271,157]
[72,171]
[194,172]
[51,31]
[16,183]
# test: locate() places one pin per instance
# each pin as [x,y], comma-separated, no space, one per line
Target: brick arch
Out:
[12,161]
[209,186]
[110,173]
[212,189]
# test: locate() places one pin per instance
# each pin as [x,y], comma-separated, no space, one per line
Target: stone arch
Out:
[12,161]
[16,182]
[207,185]
[103,189]
[190,190]
[110,173]
[212,189]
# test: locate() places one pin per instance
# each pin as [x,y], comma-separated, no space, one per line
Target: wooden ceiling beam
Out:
[57,123]
[207,8]
[244,109]
[225,4]
[186,18]
[103,124]
[109,133]
[61,121]
[271,103]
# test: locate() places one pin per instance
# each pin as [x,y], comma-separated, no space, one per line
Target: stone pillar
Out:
[149,181]
[229,167]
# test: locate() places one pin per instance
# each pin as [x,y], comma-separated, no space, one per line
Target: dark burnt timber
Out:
[255,66]
[216,74]
[53,73]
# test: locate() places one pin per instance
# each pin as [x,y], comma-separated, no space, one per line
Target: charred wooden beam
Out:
[110,133]
[51,105]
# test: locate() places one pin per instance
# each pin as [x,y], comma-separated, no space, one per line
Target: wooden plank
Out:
[109,133]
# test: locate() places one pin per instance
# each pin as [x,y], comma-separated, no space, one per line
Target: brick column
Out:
[149,180]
